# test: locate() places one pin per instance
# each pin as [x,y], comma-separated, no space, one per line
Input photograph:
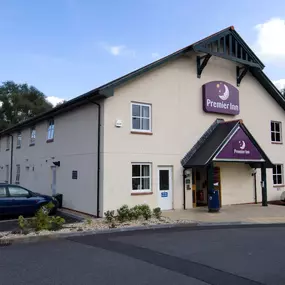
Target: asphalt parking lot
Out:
[211,255]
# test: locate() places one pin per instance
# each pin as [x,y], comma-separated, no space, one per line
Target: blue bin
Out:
[213,201]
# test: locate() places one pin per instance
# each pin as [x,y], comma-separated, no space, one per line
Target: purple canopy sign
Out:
[239,147]
[220,97]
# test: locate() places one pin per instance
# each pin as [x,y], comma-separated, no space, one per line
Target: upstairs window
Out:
[50,132]
[7,142]
[19,140]
[141,117]
[33,136]
[276,132]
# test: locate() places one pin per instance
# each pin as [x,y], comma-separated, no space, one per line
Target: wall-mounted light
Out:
[56,163]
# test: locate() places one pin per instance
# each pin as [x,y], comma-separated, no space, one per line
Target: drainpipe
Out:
[184,194]
[98,156]
[11,159]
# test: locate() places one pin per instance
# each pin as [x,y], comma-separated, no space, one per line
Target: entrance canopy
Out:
[226,141]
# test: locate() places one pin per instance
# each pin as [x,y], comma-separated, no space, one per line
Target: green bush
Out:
[135,212]
[42,220]
[157,212]
[123,213]
[110,216]
[145,211]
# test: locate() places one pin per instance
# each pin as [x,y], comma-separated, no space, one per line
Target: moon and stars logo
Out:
[223,91]
[242,145]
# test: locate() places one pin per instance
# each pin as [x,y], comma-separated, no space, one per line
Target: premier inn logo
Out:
[240,148]
[220,97]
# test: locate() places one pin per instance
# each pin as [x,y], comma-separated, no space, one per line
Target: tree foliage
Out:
[19,102]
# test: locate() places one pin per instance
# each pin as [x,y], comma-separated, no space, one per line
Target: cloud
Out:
[118,50]
[280,84]
[270,43]
[54,100]
[155,55]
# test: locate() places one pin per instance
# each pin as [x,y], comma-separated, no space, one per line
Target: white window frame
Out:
[18,174]
[33,134]
[150,117]
[275,132]
[19,140]
[50,130]
[140,177]
[278,174]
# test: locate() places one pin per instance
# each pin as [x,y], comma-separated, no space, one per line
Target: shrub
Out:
[145,211]
[42,220]
[88,221]
[123,213]
[157,212]
[135,212]
[110,216]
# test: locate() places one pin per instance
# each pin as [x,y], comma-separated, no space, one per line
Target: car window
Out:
[18,192]
[3,191]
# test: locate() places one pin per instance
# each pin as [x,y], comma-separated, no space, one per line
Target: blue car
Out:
[16,200]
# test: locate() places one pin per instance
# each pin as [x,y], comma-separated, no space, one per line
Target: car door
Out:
[5,201]
[22,200]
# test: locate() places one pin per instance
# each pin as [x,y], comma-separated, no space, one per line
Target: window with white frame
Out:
[18,172]
[50,132]
[33,136]
[276,131]
[141,117]
[278,178]
[141,177]
[19,139]
[8,142]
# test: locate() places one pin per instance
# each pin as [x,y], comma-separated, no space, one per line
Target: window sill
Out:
[17,147]
[279,186]
[141,133]
[31,144]
[7,149]
[141,193]
[50,141]
[277,142]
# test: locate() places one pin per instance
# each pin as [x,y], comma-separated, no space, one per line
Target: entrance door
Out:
[165,188]
[53,184]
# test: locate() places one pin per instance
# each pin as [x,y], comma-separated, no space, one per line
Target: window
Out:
[278,174]
[141,117]
[7,173]
[18,192]
[32,136]
[7,142]
[141,177]
[50,133]
[18,169]
[276,132]
[19,140]
[3,192]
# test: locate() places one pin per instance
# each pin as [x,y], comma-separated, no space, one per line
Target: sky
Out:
[68,47]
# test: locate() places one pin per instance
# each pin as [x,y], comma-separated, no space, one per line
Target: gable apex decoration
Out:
[229,45]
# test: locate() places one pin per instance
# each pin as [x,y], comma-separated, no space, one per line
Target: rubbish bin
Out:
[59,198]
[213,201]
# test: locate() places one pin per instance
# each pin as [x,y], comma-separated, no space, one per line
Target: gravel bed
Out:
[95,225]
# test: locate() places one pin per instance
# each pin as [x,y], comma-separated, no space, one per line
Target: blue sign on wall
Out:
[164,194]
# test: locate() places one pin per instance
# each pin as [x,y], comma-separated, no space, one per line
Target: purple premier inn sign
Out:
[220,97]
[239,147]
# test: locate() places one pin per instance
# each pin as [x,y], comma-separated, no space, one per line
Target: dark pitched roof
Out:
[107,89]
[213,140]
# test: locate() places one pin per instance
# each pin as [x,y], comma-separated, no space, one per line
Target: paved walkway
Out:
[232,214]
